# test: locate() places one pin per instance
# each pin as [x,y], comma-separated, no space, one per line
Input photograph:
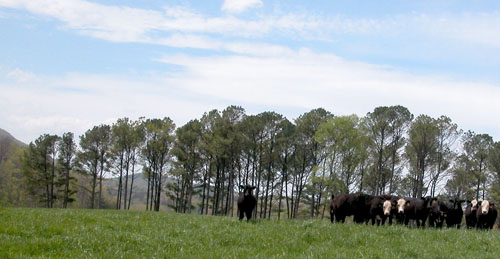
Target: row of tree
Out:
[295,166]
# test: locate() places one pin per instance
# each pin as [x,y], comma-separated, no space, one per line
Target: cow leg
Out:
[249,215]
[242,215]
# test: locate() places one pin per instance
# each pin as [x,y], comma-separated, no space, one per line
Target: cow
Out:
[400,210]
[437,210]
[246,202]
[417,209]
[446,211]
[382,207]
[470,213]
[332,208]
[344,205]
[452,212]
[486,215]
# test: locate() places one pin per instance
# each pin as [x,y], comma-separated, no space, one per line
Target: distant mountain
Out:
[7,144]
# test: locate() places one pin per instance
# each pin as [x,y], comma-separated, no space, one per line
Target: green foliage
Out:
[109,234]
[40,169]
[476,151]
[422,145]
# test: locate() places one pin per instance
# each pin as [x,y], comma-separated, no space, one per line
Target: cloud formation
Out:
[174,24]
[290,83]
[255,72]
[238,6]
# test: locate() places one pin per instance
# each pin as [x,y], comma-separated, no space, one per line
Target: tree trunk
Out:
[131,184]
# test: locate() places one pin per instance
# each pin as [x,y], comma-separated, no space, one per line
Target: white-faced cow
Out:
[246,202]
[382,207]
[486,215]
[417,209]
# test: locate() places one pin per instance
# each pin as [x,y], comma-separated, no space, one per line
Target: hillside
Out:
[7,144]
[139,234]
[139,192]
[12,189]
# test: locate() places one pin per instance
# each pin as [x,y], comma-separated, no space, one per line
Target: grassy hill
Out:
[130,234]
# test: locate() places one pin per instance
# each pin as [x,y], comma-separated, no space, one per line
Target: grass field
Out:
[130,234]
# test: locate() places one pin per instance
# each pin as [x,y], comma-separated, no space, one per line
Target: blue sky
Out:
[70,64]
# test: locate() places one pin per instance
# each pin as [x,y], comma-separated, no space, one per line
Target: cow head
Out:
[247,189]
[485,207]
[473,204]
[386,207]
[456,204]
[401,203]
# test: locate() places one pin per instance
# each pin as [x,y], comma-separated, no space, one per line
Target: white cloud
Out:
[238,6]
[305,80]
[290,83]
[21,76]
[127,24]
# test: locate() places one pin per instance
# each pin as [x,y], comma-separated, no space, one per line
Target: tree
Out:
[461,182]
[476,148]
[307,152]
[156,157]
[91,160]
[386,128]
[420,150]
[448,133]
[343,142]
[40,169]
[67,150]
[399,119]
[494,163]
[126,138]
[188,158]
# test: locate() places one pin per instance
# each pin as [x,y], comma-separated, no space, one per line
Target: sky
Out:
[67,65]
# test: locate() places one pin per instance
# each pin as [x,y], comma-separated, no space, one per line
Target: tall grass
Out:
[130,234]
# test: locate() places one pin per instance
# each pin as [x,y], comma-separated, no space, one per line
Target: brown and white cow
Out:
[400,210]
[417,209]
[486,215]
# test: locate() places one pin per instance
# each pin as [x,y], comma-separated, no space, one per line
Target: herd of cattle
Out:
[377,209]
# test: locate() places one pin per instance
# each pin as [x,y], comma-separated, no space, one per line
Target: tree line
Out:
[295,166]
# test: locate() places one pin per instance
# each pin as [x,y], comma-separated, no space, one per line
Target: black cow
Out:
[452,212]
[446,211]
[470,213]
[246,202]
[437,210]
[486,215]
[344,205]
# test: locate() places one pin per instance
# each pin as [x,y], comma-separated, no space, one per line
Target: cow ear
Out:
[407,203]
[492,204]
